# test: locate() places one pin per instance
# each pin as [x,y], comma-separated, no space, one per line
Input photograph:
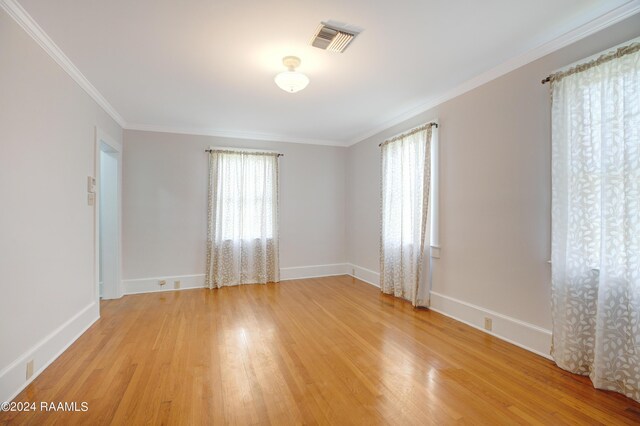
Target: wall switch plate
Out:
[29,369]
[488,323]
[91,199]
[162,282]
[91,184]
[176,284]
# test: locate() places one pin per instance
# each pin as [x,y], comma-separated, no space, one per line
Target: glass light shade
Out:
[291,81]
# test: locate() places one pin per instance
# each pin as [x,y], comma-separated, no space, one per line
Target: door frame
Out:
[105,143]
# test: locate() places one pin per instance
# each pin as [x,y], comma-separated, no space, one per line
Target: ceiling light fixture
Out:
[291,81]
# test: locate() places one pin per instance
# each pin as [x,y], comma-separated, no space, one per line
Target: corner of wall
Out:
[13,378]
[520,333]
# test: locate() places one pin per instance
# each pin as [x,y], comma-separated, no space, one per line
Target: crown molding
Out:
[612,17]
[31,27]
[233,134]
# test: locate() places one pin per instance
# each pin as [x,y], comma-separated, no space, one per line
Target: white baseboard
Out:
[314,271]
[364,274]
[151,285]
[13,378]
[527,336]
[523,334]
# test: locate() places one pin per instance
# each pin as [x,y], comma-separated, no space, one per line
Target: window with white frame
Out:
[405,229]
[596,218]
[242,242]
[246,209]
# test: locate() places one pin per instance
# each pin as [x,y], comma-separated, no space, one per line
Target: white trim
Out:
[232,134]
[106,138]
[434,193]
[364,274]
[435,252]
[31,27]
[151,285]
[100,138]
[313,271]
[520,333]
[610,18]
[372,277]
[13,379]
[20,15]
[596,55]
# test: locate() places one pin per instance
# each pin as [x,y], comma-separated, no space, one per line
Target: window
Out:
[242,243]
[406,183]
[403,180]
[595,249]
[246,210]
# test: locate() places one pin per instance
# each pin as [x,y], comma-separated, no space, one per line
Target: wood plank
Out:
[316,351]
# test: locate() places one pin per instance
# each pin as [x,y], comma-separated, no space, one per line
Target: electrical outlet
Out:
[488,323]
[162,282]
[91,199]
[176,284]
[29,369]
[353,271]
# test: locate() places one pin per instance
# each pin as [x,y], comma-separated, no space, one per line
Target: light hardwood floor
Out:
[316,351]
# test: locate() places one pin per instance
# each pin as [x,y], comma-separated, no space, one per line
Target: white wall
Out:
[165,206]
[494,197]
[46,227]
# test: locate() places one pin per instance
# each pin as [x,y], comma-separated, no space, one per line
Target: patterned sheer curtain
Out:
[406,162]
[596,220]
[242,241]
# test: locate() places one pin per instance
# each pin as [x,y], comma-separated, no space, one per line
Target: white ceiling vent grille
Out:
[332,37]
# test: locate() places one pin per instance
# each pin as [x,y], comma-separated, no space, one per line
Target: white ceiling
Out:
[207,66]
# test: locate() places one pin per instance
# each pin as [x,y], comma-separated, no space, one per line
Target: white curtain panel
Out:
[406,163]
[596,223]
[242,242]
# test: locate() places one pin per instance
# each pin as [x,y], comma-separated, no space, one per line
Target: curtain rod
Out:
[240,150]
[417,129]
[618,53]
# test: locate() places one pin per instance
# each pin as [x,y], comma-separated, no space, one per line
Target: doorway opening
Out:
[108,215]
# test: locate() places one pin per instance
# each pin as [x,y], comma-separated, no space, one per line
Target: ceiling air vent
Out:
[333,37]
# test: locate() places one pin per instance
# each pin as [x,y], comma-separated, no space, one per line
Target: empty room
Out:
[338,212]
